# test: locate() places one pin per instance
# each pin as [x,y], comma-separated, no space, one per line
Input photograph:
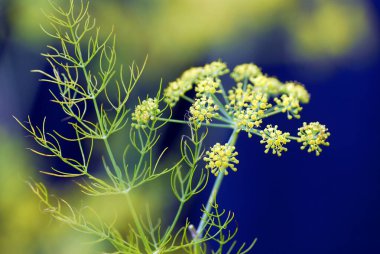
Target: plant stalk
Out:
[214,192]
[217,125]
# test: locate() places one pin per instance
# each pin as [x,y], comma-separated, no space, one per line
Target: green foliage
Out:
[91,91]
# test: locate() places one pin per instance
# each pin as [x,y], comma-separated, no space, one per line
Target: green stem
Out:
[257,133]
[138,225]
[221,106]
[245,83]
[217,125]
[223,119]
[214,191]
[224,94]
[174,222]
[293,138]
[272,113]
[187,99]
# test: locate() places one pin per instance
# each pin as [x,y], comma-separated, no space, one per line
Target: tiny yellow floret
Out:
[274,139]
[247,107]
[297,90]
[207,86]
[192,75]
[288,104]
[203,110]
[265,84]
[178,88]
[220,158]
[313,136]
[215,69]
[145,112]
[195,75]
[245,71]
[175,90]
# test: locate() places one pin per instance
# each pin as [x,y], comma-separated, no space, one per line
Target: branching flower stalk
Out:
[246,105]
[91,91]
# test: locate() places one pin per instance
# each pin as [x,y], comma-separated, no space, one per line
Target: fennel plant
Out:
[88,81]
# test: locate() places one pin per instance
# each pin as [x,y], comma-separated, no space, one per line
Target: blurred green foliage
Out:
[330,29]
[177,33]
[24,228]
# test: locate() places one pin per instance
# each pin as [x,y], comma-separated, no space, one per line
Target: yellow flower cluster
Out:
[313,135]
[247,107]
[194,75]
[273,86]
[175,90]
[265,84]
[245,71]
[207,86]
[240,98]
[288,104]
[274,139]
[215,69]
[146,111]
[237,97]
[247,119]
[296,90]
[203,110]
[178,88]
[220,158]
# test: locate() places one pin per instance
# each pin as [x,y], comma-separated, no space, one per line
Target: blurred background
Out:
[298,203]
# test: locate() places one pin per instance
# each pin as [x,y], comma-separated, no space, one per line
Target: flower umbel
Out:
[145,112]
[248,98]
[296,90]
[220,158]
[247,107]
[215,69]
[207,86]
[175,90]
[192,75]
[206,77]
[274,139]
[265,84]
[289,104]
[203,110]
[245,71]
[313,135]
